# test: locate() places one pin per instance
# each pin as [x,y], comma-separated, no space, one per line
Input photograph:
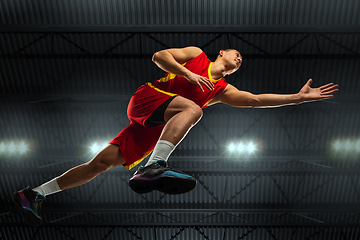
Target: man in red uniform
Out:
[161,114]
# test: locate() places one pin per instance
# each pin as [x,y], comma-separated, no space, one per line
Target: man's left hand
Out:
[308,94]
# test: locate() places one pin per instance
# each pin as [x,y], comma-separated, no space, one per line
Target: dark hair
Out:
[228,50]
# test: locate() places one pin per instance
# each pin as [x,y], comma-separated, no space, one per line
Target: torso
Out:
[200,65]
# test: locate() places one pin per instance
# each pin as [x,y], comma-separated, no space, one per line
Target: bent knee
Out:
[107,158]
[196,112]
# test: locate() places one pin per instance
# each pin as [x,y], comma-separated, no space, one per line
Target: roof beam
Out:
[148,56]
[311,225]
[32,28]
[213,171]
[232,208]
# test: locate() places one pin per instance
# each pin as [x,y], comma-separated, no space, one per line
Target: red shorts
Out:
[137,140]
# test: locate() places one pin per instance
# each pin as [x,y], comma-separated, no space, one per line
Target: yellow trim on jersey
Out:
[209,73]
[168,93]
[207,102]
[169,76]
[128,167]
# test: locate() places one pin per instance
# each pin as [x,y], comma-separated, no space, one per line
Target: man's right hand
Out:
[170,60]
[199,80]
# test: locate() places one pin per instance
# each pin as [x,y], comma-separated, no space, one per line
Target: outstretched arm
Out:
[171,60]
[234,97]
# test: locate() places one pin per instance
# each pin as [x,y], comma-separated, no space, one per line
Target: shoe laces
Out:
[169,169]
[39,201]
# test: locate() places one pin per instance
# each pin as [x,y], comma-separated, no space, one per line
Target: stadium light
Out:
[2,147]
[241,147]
[251,147]
[231,147]
[337,145]
[97,147]
[13,147]
[348,146]
[357,145]
[94,148]
[22,147]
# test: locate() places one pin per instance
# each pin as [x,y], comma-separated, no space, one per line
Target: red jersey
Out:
[137,140]
[175,84]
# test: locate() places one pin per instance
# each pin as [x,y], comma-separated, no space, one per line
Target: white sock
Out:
[48,188]
[162,151]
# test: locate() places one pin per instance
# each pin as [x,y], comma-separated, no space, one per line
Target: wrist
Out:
[297,98]
[187,74]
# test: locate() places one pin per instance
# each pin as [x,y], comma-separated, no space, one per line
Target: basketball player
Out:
[161,113]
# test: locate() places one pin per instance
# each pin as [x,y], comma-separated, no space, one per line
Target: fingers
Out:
[207,83]
[326,89]
[330,92]
[327,92]
[199,85]
[329,89]
[309,82]
[199,81]
[326,96]
[327,85]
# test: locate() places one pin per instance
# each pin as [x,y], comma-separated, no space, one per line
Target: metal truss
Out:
[223,214]
[174,29]
[231,37]
[205,232]
[148,56]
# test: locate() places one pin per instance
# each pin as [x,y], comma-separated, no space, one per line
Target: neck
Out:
[217,70]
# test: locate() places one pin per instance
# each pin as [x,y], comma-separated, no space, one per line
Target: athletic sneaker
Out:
[29,203]
[159,176]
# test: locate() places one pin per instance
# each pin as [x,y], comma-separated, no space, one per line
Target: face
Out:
[232,60]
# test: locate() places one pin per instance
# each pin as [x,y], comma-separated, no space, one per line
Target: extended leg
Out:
[108,158]
[29,201]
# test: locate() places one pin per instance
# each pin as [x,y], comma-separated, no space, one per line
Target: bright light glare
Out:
[241,147]
[22,147]
[104,144]
[251,147]
[357,145]
[231,147]
[337,145]
[11,147]
[97,147]
[2,147]
[94,148]
[348,145]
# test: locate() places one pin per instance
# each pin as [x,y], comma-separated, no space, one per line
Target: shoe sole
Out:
[165,184]
[28,215]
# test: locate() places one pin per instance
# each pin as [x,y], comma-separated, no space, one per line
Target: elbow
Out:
[161,56]
[254,102]
[158,56]
[155,57]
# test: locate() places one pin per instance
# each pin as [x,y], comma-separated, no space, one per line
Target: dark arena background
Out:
[68,69]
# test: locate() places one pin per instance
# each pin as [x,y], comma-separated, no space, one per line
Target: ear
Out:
[221,53]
